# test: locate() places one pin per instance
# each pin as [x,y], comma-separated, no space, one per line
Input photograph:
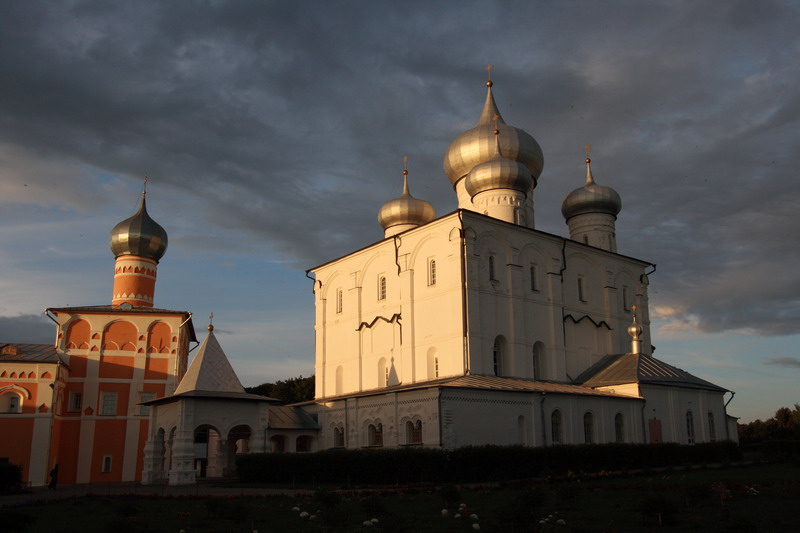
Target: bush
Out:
[10,477]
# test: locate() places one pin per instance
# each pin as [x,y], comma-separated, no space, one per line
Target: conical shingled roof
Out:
[210,370]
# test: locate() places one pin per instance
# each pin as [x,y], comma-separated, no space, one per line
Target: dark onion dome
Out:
[498,173]
[591,198]
[139,235]
[405,210]
[476,145]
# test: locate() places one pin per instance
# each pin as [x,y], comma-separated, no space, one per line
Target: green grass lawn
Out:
[748,499]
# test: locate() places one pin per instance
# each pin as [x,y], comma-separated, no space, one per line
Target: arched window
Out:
[383,373]
[491,268]
[581,296]
[436,367]
[619,428]
[375,434]
[689,427]
[533,278]
[432,272]
[626,299]
[381,287]
[414,432]
[339,380]
[11,402]
[588,427]
[339,300]
[497,357]
[712,430]
[536,361]
[338,437]
[555,426]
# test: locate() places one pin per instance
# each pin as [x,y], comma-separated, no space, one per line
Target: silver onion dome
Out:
[476,145]
[499,173]
[139,235]
[405,210]
[591,198]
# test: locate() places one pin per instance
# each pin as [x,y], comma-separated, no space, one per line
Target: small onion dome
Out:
[405,210]
[591,198]
[499,173]
[635,330]
[476,145]
[139,235]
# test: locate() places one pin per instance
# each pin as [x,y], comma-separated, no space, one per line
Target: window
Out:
[626,299]
[536,362]
[144,410]
[106,463]
[432,272]
[375,434]
[414,432]
[75,401]
[436,367]
[588,428]
[381,287]
[497,357]
[108,403]
[338,437]
[491,268]
[580,290]
[11,403]
[302,444]
[555,426]
[339,298]
[619,428]
[534,281]
[712,430]
[689,427]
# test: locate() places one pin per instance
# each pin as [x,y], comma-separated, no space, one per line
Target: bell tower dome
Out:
[138,243]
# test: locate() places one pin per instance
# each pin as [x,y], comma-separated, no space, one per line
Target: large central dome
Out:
[477,145]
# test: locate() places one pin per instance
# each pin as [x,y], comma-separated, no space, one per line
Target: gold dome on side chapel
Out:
[591,198]
[139,235]
[405,210]
[477,145]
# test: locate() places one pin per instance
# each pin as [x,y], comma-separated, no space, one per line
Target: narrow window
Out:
[432,272]
[536,363]
[690,427]
[497,358]
[491,268]
[414,432]
[75,401]
[619,428]
[533,278]
[386,376]
[382,288]
[106,463]
[580,290]
[13,403]
[712,430]
[108,403]
[339,300]
[375,434]
[555,426]
[436,367]
[626,301]
[588,428]
[585,239]
[338,437]
[144,410]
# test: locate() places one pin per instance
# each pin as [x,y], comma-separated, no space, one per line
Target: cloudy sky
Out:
[271,133]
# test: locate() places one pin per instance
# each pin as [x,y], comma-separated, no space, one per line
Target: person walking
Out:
[53,478]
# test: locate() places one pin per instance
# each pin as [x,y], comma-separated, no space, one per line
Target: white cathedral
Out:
[467,329]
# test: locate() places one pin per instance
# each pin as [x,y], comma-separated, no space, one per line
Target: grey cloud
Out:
[282,126]
[787,362]
[26,329]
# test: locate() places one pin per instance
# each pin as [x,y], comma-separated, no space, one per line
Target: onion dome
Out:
[139,235]
[405,210]
[477,145]
[498,173]
[591,198]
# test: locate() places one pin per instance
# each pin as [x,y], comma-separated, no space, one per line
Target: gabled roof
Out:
[618,369]
[288,417]
[29,353]
[210,371]
[489,383]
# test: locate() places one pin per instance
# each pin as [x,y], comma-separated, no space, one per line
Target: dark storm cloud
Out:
[26,329]
[282,126]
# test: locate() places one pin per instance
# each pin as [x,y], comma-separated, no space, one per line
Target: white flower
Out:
[367,523]
[462,506]
[374,520]
[304,515]
[295,509]
[458,515]
[476,526]
[473,516]
[445,512]
[561,522]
